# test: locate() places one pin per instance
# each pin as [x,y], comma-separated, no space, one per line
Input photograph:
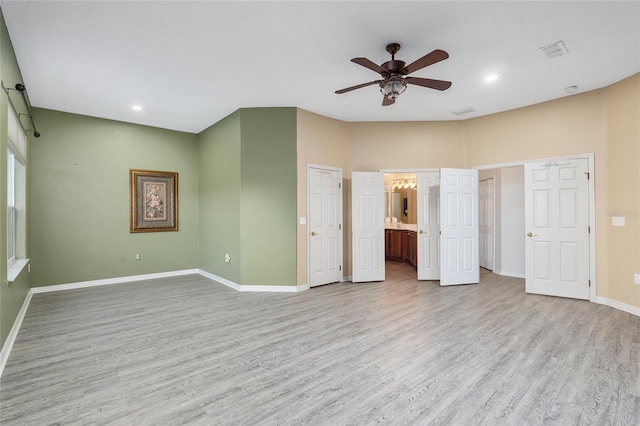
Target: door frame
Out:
[413,170]
[592,206]
[306,226]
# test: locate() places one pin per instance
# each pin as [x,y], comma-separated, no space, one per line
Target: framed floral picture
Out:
[154,201]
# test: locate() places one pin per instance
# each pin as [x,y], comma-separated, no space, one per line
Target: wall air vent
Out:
[462,111]
[554,50]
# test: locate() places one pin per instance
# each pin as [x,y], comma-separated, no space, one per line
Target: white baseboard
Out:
[108,281]
[221,280]
[618,305]
[509,273]
[239,287]
[11,338]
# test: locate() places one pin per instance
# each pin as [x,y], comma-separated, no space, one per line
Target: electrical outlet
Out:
[122,258]
[137,256]
[227,258]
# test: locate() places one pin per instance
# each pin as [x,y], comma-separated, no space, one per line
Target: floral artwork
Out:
[154,203]
[154,194]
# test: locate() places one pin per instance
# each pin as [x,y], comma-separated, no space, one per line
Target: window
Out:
[16,197]
[11,208]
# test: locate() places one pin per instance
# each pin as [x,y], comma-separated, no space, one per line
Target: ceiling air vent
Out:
[462,111]
[554,50]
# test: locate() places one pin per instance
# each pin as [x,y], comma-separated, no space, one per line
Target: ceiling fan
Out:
[394,74]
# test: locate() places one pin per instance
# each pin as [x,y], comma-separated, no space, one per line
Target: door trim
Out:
[592,207]
[306,226]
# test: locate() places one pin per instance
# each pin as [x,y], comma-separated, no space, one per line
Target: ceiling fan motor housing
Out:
[394,66]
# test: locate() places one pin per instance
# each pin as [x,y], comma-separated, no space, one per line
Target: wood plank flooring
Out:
[190,351]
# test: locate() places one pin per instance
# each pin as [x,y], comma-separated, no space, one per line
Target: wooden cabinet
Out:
[394,244]
[401,245]
[411,248]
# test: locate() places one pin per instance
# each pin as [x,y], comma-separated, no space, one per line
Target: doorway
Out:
[558,189]
[457,253]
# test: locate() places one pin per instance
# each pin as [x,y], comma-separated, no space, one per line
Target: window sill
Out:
[15,269]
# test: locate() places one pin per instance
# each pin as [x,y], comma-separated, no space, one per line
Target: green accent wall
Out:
[80,199]
[269,188]
[247,197]
[219,198]
[12,295]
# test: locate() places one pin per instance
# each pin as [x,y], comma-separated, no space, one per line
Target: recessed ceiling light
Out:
[491,77]
[136,107]
[571,89]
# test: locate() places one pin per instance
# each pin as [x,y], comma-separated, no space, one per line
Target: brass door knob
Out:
[313,234]
[531,234]
[421,231]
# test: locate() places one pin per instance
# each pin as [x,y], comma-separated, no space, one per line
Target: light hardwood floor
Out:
[190,351]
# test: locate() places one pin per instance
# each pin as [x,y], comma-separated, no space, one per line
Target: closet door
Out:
[487,222]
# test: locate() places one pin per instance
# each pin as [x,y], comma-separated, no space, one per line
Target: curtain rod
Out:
[25,98]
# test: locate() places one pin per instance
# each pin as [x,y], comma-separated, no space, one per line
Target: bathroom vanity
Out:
[401,245]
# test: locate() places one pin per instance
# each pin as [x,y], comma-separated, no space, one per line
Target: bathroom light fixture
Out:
[404,184]
[491,77]
[136,107]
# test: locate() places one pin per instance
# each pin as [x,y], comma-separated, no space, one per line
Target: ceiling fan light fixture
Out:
[393,87]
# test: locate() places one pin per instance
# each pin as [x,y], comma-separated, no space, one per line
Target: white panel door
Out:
[367,204]
[324,225]
[459,227]
[428,225]
[486,222]
[557,226]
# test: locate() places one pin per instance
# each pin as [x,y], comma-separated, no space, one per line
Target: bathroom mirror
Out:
[401,198]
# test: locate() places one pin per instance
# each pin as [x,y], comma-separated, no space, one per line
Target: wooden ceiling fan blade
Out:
[386,101]
[369,64]
[428,59]
[427,82]
[359,86]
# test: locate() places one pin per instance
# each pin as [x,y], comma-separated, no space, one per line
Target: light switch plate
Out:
[636,278]
[303,221]
[617,220]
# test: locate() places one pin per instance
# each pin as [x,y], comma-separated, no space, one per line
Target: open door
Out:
[459,227]
[367,203]
[557,226]
[428,225]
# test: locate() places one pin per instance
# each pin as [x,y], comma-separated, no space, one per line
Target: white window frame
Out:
[16,196]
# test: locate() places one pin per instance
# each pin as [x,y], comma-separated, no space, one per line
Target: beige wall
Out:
[405,145]
[321,141]
[567,126]
[621,249]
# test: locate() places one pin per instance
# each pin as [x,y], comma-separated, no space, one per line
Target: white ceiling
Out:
[189,64]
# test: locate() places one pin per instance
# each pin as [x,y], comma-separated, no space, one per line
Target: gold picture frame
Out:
[154,201]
